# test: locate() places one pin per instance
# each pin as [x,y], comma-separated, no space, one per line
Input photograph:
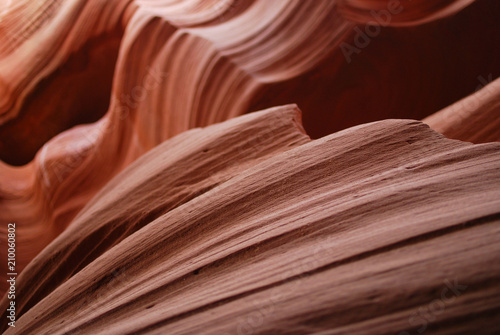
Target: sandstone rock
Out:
[275,233]
[141,209]
[474,118]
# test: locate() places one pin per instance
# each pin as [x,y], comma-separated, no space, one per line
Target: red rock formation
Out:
[275,233]
[148,71]
[400,13]
[474,118]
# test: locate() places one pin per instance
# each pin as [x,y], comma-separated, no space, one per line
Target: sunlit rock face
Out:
[150,197]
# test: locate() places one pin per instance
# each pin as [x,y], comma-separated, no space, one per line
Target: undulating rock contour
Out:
[149,196]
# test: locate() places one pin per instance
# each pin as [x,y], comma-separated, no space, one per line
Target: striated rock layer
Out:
[475,118]
[276,233]
[146,71]
[135,213]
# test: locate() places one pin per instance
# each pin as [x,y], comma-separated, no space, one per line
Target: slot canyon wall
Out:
[250,166]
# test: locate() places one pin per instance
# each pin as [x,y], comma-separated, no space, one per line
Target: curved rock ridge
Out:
[156,94]
[157,68]
[179,176]
[92,89]
[474,118]
[249,226]
[401,12]
[51,51]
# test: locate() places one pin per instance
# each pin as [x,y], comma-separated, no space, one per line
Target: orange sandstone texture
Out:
[135,213]
[125,206]
[170,75]
[242,226]
[148,70]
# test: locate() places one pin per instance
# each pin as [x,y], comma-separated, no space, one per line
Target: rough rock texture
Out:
[149,70]
[280,234]
[140,223]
